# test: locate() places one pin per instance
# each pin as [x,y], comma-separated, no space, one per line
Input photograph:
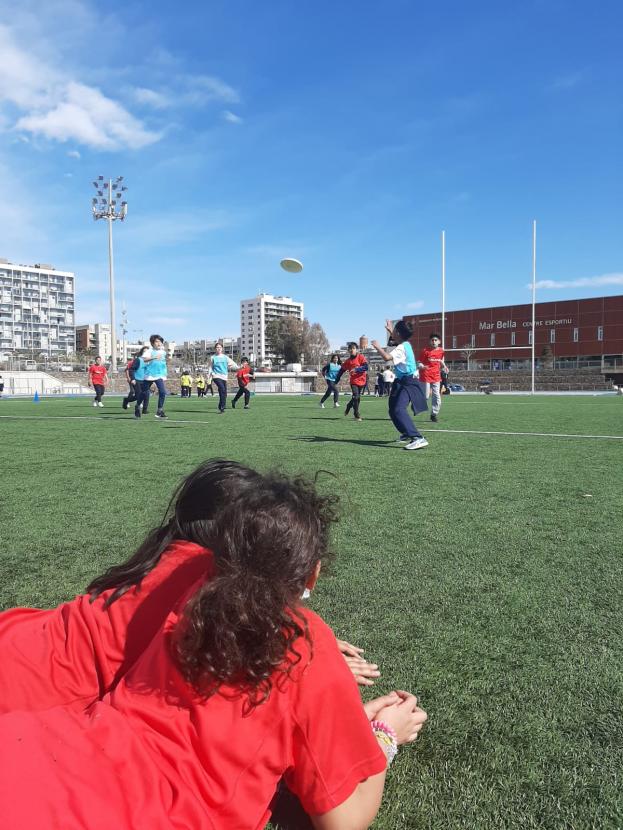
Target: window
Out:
[512,338]
[576,335]
[472,341]
[530,337]
[454,342]
[492,340]
[600,332]
[552,335]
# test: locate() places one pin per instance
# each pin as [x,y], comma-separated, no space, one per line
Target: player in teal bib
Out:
[330,373]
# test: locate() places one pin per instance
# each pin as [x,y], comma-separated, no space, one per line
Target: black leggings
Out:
[242,391]
[354,401]
[331,389]
[99,392]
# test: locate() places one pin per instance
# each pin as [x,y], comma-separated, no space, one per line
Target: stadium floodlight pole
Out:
[104,206]
[443,289]
[533,300]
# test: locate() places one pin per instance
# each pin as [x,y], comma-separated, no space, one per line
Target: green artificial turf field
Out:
[485,572]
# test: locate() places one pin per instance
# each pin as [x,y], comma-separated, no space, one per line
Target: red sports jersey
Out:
[152,753]
[244,375]
[431,373]
[351,365]
[97,374]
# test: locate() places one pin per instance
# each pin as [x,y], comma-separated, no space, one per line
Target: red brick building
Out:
[578,332]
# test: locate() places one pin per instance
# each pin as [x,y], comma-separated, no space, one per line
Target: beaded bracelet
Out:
[387,738]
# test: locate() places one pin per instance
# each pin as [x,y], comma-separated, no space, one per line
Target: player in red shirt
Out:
[241,686]
[244,375]
[357,367]
[430,364]
[98,378]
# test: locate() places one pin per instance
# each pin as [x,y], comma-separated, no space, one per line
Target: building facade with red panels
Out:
[575,330]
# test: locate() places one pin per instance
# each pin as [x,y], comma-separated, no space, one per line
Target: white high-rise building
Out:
[36,309]
[255,314]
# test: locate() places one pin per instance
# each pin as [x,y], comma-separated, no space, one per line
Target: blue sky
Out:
[347,134]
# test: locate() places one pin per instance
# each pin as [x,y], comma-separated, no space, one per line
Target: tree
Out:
[315,343]
[467,351]
[289,339]
[285,338]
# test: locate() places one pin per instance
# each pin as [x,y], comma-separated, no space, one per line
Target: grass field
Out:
[485,572]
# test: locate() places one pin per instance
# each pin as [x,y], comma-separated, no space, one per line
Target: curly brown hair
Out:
[240,629]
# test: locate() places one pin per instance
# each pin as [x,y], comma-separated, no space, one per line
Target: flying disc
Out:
[292,266]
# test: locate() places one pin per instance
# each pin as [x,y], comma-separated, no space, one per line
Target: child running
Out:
[220,364]
[136,372]
[156,372]
[431,363]
[357,367]
[239,686]
[405,388]
[98,378]
[330,373]
[244,375]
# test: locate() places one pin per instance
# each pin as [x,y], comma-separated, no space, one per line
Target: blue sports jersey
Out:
[156,368]
[220,362]
[331,371]
[404,362]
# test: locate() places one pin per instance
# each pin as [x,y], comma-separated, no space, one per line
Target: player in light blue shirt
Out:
[220,365]
[330,373]
[406,389]
[156,372]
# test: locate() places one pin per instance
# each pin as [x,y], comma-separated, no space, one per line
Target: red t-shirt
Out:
[151,754]
[244,375]
[431,373]
[351,365]
[97,374]
[84,645]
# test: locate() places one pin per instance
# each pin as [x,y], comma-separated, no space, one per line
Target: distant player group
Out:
[415,380]
[148,368]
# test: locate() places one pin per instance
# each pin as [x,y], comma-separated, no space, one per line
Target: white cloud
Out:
[87,116]
[59,108]
[74,154]
[582,282]
[210,88]
[151,98]
[231,117]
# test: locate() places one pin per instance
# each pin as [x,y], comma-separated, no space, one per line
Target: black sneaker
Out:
[246,406]
[433,417]
[124,403]
[137,415]
[160,415]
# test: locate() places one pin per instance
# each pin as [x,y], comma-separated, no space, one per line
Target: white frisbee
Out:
[292,266]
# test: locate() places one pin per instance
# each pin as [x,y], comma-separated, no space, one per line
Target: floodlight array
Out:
[109,201]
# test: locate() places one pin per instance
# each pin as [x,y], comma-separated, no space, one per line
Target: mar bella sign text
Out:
[485,325]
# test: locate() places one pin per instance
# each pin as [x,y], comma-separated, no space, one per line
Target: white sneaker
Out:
[94,403]
[322,406]
[100,404]
[336,405]
[417,444]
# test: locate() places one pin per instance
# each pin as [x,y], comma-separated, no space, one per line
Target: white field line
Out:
[197,421]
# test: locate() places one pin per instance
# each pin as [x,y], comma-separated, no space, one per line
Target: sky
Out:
[345,134]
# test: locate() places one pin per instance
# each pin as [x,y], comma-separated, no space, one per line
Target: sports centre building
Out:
[570,333]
